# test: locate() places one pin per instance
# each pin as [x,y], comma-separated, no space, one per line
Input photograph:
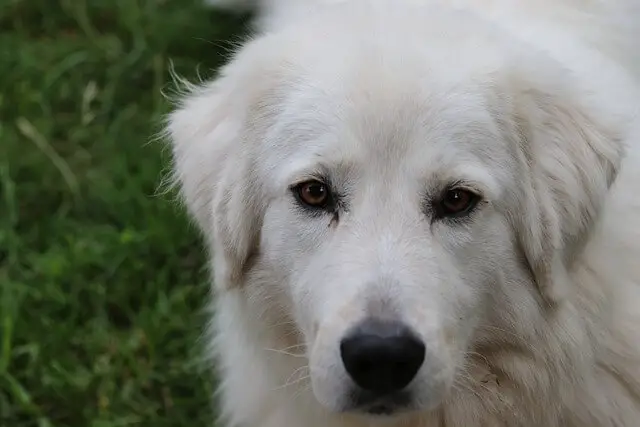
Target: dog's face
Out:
[386,214]
[388,199]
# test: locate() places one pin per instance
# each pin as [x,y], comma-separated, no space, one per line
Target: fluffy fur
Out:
[529,308]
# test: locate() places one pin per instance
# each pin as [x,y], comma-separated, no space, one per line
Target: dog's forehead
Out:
[384,123]
[384,109]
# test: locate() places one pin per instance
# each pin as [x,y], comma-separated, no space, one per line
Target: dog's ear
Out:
[573,149]
[213,149]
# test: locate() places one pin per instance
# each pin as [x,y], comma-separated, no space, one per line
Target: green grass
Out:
[102,280]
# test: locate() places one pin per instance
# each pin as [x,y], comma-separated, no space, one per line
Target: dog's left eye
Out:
[456,202]
[313,194]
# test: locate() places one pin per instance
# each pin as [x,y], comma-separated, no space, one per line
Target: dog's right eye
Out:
[314,194]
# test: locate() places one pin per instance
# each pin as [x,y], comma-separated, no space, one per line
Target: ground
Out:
[102,279]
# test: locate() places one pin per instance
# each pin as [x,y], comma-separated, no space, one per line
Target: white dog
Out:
[423,214]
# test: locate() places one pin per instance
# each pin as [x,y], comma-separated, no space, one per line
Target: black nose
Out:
[382,356]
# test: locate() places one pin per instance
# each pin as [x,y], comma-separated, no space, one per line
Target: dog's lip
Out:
[386,405]
[381,409]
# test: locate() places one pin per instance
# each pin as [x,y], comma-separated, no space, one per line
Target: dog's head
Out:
[392,197]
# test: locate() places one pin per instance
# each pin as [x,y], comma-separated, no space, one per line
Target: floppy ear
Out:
[573,150]
[212,153]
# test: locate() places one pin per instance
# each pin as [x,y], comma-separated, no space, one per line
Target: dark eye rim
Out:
[328,203]
[441,212]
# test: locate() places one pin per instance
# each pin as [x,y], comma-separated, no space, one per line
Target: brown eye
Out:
[456,202]
[313,194]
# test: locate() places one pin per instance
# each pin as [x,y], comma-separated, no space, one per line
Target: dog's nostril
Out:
[382,356]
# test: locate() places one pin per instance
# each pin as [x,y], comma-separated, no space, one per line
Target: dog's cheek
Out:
[289,247]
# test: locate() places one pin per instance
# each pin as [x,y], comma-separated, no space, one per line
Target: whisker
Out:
[289,381]
[286,353]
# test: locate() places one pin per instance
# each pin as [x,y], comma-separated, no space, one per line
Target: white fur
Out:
[530,309]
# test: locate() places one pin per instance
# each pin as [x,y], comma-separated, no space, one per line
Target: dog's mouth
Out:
[365,402]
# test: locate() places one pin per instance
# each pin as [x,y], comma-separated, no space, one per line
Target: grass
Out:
[102,285]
